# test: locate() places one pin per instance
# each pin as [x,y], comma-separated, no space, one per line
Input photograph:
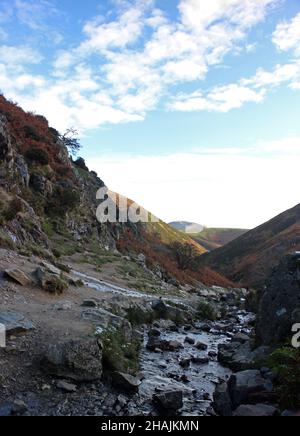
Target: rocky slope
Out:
[250,259]
[211,238]
[48,203]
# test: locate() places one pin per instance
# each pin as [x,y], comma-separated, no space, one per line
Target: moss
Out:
[137,317]
[118,353]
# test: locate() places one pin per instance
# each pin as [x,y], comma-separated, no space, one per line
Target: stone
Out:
[245,384]
[201,346]
[155,343]
[18,276]
[240,357]
[51,268]
[256,410]
[185,363]
[240,337]
[90,303]
[66,387]
[222,401]
[200,360]
[15,323]
[125,382]
[78,359]
[189,340]
[170,402]
[154,333]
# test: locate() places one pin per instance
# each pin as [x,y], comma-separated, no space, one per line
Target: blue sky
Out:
[189,107]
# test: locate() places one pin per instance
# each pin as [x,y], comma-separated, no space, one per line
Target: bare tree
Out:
[69,139]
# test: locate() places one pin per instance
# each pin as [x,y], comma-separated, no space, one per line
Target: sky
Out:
[188,107]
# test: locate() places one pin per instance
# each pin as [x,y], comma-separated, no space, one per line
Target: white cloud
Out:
[134,57]
[287,35]
[220,99]
[231,188]
[18,56]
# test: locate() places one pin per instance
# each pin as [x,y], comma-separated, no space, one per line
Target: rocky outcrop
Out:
[15,323]
[79,360]
[280,304]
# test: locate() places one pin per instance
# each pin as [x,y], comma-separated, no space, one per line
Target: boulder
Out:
[78,359]
[246,384]
[125,382]
[256,410]
[189,340]
[18,276]
[241,356]
[155,343]
[15,323]
[200,360]
[280,300]
[201,346]
[66,387]
[222,401]
[169,402]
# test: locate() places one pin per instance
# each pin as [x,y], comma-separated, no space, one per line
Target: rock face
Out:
[280,304]
[79,360]
[15,322]
[126,382]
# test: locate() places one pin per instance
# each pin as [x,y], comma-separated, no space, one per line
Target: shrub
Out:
[206,312]
[37,155]
[118,353]
[285,363]
[30,132]
[14,207]
[64,199]
[6,241]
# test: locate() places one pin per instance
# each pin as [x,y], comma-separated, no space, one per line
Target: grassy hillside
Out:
[250,258]
[213,238]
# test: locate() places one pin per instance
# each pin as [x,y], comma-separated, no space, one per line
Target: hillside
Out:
[250,259]
[48,205]
[213,238]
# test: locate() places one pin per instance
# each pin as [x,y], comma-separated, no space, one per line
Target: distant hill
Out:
[187,227]
[211,239]
[250,259]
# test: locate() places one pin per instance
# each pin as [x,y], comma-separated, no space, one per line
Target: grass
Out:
[6,241]
[118,353]
[206,312]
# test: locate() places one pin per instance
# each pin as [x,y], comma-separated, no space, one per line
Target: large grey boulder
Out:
[79,360]
[279,307]
[244,385]
[15,322]
[241,356]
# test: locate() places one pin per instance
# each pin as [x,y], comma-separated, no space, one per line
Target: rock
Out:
[292,412]
[141,259]
[279,302]
[63,305]
[212,354]
[18,276]
[170,402]
[200,360]
[243,385]
[185,363]
[154,333]
[241,338]
[90,303]
[13,408]
[49,282]
[103,318]
[125,382]
[201,346]
[155,343]
[66,387]
[256,410]
[51,268]
[222,401]
[15,323]
[189,340]
[167,312]
[79,360]
[240,357]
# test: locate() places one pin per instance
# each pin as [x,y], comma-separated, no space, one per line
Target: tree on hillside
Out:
[185,254]
[70,140]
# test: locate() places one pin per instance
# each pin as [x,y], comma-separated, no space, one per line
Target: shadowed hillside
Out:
[251,258]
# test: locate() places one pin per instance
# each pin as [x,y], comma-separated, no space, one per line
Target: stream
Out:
[162,371]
